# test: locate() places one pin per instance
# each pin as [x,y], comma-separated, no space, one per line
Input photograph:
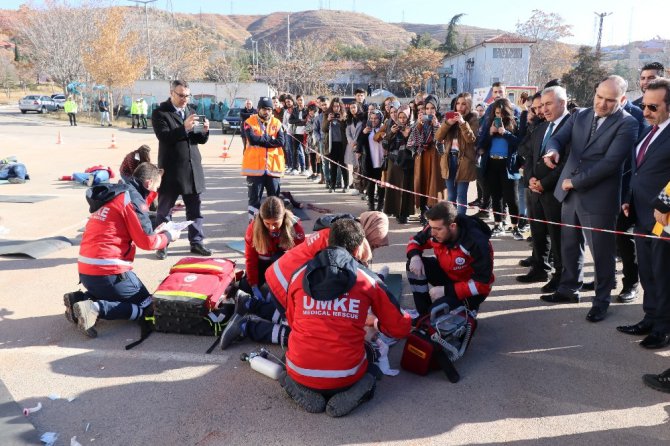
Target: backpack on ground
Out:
[190,300]
[439,339]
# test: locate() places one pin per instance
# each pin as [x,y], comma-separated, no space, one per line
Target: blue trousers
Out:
[298,155]
[120,296]
[457,192]
[99,176]
[255,186]
[13,170]
[192,202]
[288,151]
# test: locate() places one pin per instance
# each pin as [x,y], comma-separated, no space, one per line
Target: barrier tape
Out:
[503,214]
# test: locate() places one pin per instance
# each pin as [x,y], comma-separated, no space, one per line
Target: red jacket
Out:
[468,262]
[252,256]
[118,222]
[326,308]
[278,275]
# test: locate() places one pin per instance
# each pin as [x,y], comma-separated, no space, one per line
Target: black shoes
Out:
[596,314]
[199,248]
[161,254]
[526,263]
[559,298]
[552,285]
[401,219]
[641,328]
[628,295]
[656,340]
[658,382]
[533,276]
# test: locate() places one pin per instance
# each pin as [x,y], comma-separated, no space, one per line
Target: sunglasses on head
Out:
[651,107]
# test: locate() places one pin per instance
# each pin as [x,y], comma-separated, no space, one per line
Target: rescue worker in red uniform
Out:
[327,309]
[118,223]
[375,225]
[272,233]
[461,273]
[271,328]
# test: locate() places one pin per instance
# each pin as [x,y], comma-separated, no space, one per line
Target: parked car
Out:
[231,122]
[37,103]
[59,99]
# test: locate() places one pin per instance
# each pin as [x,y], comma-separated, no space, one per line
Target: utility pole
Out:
[602,16]
[146,25]
[288,35]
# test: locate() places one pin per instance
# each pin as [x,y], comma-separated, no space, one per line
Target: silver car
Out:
[59,99]
[37,103]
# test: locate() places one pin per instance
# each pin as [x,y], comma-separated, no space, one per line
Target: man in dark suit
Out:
[651,172]
[648,73]
[179,132]
[542,205]
[589,189]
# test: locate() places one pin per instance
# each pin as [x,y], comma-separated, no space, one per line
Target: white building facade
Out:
[504,58]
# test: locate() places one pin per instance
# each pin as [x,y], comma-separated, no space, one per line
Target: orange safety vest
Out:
[258,161]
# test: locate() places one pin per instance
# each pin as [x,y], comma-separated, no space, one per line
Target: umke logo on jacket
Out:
[344,307]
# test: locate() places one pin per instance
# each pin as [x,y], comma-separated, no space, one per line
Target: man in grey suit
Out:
[651,172]
[589,189]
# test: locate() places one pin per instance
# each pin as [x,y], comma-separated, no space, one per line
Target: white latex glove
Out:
[383,362]
[436,292]
[416,266]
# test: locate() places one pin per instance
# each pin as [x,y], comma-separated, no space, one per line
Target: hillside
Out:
[470,34]
[342,27]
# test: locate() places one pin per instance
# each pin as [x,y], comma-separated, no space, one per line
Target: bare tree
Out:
[57,34]
[549,58]
[230,70]
[306,70]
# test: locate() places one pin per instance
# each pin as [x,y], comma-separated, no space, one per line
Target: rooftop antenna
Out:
[602,16]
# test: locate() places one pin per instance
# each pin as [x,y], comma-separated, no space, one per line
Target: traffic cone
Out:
[225,153]
[59,140]
[113,146]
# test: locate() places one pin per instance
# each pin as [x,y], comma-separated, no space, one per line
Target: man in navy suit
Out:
[651,172]
[589,189]
[648,73]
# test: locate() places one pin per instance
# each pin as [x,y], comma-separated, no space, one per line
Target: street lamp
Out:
[146,24]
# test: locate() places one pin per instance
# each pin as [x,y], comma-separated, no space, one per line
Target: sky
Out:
[627,22]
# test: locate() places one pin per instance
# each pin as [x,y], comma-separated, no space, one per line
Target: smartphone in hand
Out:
[497,122]
[451,115]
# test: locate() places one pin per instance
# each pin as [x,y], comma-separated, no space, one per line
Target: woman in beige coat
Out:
[459,161]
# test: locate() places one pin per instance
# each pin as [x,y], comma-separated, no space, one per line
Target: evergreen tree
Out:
[450,45]
[581,81]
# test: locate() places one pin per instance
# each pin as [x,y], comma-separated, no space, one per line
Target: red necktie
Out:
[645,144]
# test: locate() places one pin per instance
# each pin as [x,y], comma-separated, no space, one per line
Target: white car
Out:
[59,99]
[37,103]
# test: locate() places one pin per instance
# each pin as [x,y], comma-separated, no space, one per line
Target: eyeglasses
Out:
[183,96]
[651,107]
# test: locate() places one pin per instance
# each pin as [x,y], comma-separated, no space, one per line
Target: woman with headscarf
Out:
[371,157]
[400,169]
[427,152]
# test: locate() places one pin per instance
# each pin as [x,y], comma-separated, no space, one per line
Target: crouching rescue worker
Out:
[118,223]
[327,308]
[270,324]
[461,273]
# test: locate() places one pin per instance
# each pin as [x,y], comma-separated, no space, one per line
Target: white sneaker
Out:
[307,173]
[383,272]
[355,192]
[295,172]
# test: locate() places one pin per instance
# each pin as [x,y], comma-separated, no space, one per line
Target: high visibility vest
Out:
[258,161]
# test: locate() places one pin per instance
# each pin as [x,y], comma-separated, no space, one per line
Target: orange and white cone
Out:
[59,140]
[225,153]
[113,145]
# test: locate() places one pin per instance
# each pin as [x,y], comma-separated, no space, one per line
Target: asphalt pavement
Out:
[535,374]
